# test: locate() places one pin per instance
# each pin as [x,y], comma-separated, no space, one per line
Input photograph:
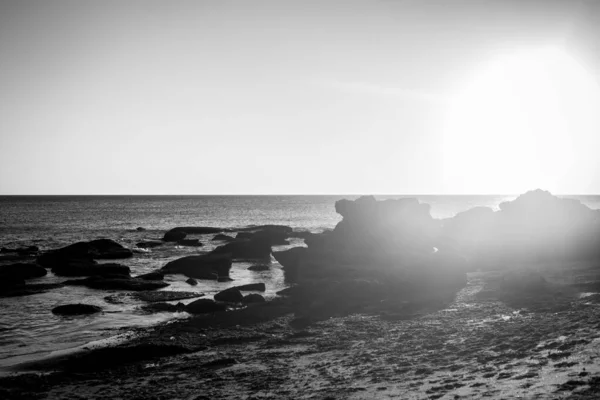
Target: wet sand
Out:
[488,343]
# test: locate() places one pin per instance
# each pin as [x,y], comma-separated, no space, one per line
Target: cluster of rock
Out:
[381,250]
[535,227]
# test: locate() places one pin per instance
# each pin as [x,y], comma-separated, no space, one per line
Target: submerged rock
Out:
[174,236]
[207,266]
[19,288]
[204,306]
[76,309]
[231,295]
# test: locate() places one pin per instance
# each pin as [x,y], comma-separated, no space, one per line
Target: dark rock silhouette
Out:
[76,309]
[260,267]
[152,276]
[164,307]
[231,295]
[253,248]
[181,232]
[81,254]
[253,298]
[21,271]
[259,287]
[192,281]
[140,229]
[381,250]
[117,283]
[85,268]
[19,288]
[222,237]
[208,266]
[21,250]
[204,306]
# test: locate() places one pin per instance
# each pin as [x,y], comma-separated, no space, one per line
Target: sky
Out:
[265,97]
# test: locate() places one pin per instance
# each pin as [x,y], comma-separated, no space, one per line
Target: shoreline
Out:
[476,345]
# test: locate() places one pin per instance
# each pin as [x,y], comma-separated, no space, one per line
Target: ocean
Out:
[28,329]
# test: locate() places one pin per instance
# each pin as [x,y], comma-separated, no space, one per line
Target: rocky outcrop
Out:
[253,298]
[204,306]
[76,309]
[189,242]
[253,248]
[181,232]
[231,295]
[381,251]
[84,253]
[87,268]
[21,271]
[222,237]
[258,287]
[207,266]
[191,281]
[152,276]
[117,283]
[536,226]
[163,307]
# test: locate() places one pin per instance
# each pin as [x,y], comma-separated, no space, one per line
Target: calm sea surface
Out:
[28,329]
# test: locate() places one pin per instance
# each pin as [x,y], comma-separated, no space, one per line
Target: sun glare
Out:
[520,124]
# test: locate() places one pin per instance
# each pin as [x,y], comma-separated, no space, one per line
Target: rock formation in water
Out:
[535,227]
[380,250]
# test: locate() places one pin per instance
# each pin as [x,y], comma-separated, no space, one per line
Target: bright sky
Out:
[294,97]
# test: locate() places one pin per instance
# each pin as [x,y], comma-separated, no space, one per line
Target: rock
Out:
[174,236]
[163,295]
[246,249]
[192,281]
[152,276]
[259,268]
[181,232]
[231,295]
[223,237]
[19,288]
[140,229]
[84,252]
[291,260]
[208,266]
[76,309]
[204,306]
[253,298]
[21,250]
[189,242]
[164,307]
[149,244]
[16,257]
[21,271]
[87,268]
[116,283]
[224,279]
[272,234]
[259,287]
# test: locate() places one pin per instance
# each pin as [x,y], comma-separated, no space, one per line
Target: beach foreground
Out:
[488,342]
